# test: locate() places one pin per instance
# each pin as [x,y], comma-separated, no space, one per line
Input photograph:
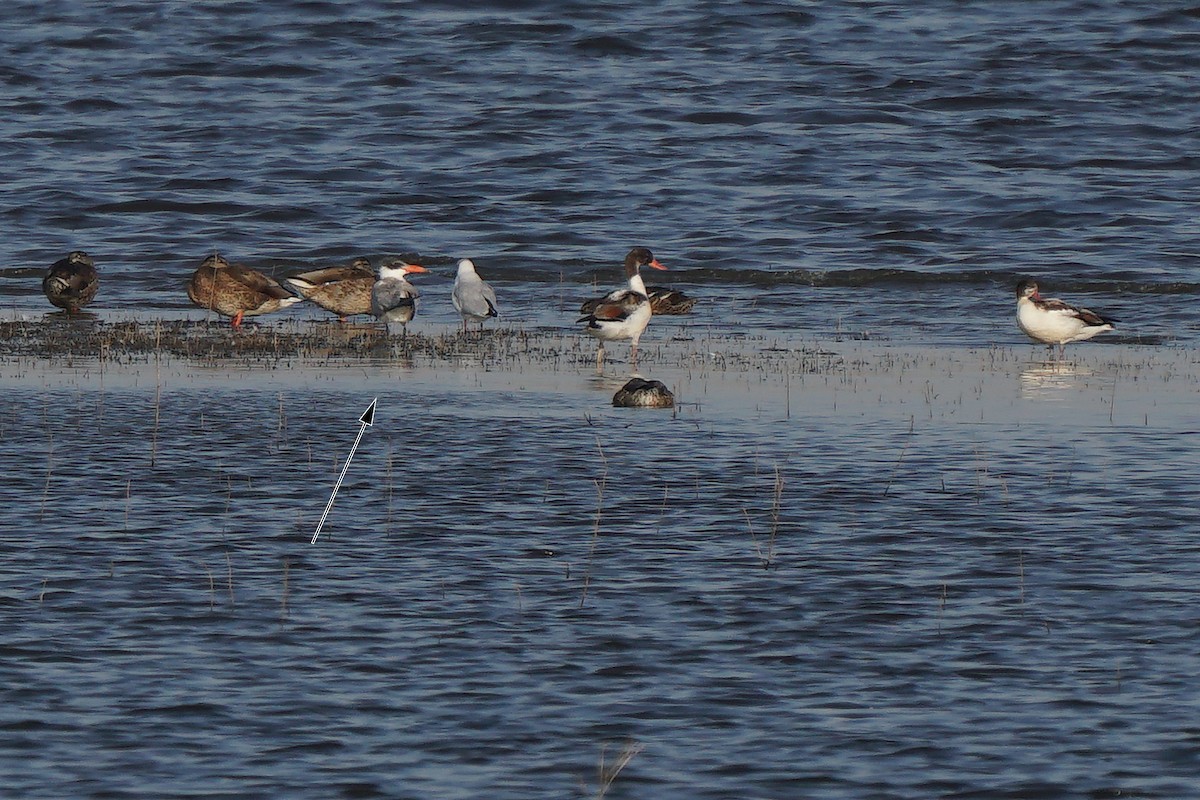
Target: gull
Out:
[472,297]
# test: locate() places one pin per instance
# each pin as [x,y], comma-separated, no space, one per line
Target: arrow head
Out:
[368,416]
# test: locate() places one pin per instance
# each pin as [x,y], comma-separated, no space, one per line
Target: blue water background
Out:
[983,582]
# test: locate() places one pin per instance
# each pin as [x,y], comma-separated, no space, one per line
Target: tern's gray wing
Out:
[389,295]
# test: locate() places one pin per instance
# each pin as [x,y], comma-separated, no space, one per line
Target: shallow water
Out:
[980,576]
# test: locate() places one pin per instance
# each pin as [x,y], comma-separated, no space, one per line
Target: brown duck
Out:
[236,291]
[71,282]
[345,291]
[665,301]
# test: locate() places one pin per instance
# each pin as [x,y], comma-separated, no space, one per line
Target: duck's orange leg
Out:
[237,320]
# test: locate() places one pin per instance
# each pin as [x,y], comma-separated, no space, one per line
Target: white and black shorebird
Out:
[1053,322]
[393,298]
[624,313]
[473,298]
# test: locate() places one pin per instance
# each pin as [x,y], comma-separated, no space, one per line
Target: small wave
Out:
[608,46]
[285,214]
[1038,218]
[92,104]
[912,235]
[832,117]
[22,272]
[273,71]
[99,41]
[152,206]
[1185,163]
[720,118]
[975,102]
[890,278]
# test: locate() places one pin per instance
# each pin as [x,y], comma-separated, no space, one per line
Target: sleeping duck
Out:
[667,301]
[345,291]
[233,290]
[71,282]
[641,393]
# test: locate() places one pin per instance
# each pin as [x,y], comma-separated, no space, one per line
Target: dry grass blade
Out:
[229,568]
[600,483]
[903,450]
[49,472]
[283,599]
[212,587]
[607,773]
[154,435]
[776,509]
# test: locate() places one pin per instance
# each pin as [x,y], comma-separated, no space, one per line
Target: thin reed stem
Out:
[606,774]
[896,467]
[212,587]
[229,574]
[49,472]
[600,484]
[283,598]
[154,435]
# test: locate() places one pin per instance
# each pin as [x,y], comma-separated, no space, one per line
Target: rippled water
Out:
[758,148]
[981,580]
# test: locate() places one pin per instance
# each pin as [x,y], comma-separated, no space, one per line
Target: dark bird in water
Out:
[624,313]
[1053,322]
[233,290]
[641,393]
[393,298]
[71,282]
[667,301]
[345,291]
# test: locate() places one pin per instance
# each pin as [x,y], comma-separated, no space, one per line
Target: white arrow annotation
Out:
[367,419]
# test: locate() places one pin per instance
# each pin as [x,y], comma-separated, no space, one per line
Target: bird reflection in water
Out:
[1053,381]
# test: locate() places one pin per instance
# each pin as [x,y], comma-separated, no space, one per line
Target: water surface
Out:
[879,550]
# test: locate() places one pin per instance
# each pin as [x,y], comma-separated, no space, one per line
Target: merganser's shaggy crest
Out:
[393,298]
[623,314]
[1053,322]
[71,282]
[472,297]
[345,291]
[236,291]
